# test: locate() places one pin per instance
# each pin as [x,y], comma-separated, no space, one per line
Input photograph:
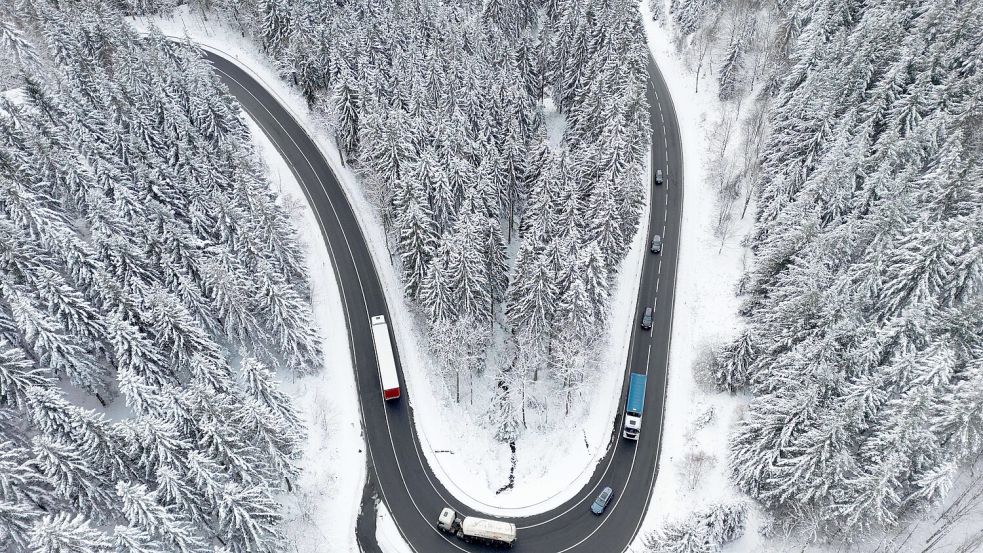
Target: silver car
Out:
[602,501]
[656,246]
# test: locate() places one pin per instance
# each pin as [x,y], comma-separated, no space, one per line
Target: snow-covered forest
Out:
[505,241]
[150,287]
[861,350]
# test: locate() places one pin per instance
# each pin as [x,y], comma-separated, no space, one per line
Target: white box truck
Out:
[477,530]
[384,357]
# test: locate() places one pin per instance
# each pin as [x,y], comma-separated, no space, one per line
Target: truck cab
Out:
[447,521]
[633,426]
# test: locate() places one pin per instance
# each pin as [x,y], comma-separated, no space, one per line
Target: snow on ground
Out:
[14,96]
[557,455]
[320,515]
[386,533]
[692,467]
[693,461]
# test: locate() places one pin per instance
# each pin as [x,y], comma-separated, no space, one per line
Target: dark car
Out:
[656,246]
[647,318]
[602,501]
[658,176]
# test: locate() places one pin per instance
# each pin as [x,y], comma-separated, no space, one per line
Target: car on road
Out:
[647,318]
[656,246]
[658,176]
[602,501]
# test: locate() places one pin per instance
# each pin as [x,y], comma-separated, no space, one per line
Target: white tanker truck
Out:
[477,530]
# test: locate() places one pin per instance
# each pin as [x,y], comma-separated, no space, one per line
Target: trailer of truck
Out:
[634,405]
[385,358]
[477,530]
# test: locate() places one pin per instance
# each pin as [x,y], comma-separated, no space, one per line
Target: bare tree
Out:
[694,465]
[704,41]
[459,347]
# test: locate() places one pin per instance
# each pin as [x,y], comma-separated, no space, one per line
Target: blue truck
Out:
[634,406]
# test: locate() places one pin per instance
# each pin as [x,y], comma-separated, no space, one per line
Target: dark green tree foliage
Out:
[146,266]
[863,347]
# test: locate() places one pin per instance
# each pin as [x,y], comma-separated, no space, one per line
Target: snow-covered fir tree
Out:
[862,347]
[442,107]
[146,267]
[704,531]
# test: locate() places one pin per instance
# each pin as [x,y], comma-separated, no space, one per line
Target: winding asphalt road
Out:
[398,472]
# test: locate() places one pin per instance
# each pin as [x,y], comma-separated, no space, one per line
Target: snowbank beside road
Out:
[692,466]
[386,533]
[321,513]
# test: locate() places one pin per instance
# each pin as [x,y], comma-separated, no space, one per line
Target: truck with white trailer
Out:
[477,530]
[634,405]
[385,358]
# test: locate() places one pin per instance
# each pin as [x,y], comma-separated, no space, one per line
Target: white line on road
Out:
[665,389]
[358,278]
[652,328]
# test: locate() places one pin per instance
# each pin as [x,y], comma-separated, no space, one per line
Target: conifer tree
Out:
[63,533]
[143,511]
[347,100]
[859,275]
[142,254]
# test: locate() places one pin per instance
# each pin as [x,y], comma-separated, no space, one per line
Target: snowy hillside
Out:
[162,346]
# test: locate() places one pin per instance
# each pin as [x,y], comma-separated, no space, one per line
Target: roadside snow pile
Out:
[386,533]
